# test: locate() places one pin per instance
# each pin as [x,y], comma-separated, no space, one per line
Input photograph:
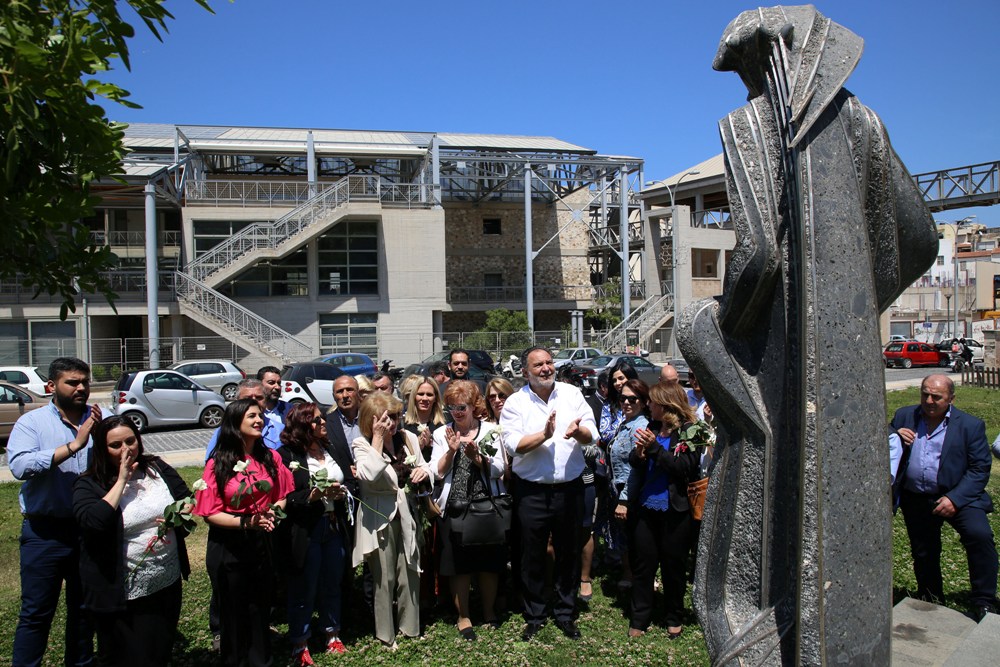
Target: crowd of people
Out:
[421,492]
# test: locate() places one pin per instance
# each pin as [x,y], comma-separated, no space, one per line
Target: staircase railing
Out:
[241,321]
[272,234]
[645,316]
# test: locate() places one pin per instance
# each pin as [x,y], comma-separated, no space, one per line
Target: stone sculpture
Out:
[794,560]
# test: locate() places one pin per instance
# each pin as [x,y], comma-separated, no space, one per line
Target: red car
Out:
[909,353]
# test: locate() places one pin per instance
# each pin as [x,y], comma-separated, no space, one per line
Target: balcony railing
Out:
[718,219]
[134,239]
[292,193]
[544,293]
[129,285]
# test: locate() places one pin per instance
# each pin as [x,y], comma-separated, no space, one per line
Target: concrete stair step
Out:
[929,635]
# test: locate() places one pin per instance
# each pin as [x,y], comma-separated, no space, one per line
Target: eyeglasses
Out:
[128,442]
[458,408]
[631,399]
[316,421]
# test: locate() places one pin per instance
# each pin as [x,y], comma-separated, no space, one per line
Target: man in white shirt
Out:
[545,425]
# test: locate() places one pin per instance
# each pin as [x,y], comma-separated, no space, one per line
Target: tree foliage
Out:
[607,308]
[55,140]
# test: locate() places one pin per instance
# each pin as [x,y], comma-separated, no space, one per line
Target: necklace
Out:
[469,432]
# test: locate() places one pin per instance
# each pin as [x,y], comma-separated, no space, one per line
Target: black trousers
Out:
[244,580]
[659,541]
[973,528]
[143,634]
[544,510]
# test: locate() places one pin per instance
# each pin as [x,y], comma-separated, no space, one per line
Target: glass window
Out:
[491,226]
[354,332]
[348,259]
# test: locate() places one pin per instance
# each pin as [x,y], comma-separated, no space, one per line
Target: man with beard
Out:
[274,407]
[48,449]
[545,426]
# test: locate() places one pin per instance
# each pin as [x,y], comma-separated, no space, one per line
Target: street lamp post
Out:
[675,234]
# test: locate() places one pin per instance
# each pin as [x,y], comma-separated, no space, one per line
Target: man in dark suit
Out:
[942,477]
[342,428]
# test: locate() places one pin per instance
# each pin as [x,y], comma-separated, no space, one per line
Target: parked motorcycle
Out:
[511,368]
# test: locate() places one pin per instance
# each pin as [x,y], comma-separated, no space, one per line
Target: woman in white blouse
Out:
[131,574]
[468,454]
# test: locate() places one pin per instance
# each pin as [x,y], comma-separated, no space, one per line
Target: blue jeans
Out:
[50,555]
[320,580]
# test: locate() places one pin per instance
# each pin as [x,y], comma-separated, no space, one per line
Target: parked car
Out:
[15,400]
[309,382]
[911,353]
[575,356]
[352,363]
[29,377]
[481,365]
[219,375]
[587,373]
[165,397]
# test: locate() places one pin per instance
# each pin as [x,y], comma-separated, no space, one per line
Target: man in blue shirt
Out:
[48,449]
[274,407]
[942,475]
[273,425]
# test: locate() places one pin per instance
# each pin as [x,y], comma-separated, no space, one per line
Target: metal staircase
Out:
[647,317]
[272,240]
[266,240]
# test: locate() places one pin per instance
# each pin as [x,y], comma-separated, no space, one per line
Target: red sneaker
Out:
[302,659]
[336,646]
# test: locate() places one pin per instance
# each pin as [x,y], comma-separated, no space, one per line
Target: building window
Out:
[351,332]
[280,277]
[493,282]
[940,260]
[491,226]
[704,263]
[348,259]
[210,233]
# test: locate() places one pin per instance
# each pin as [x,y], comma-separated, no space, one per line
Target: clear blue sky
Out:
[624,78]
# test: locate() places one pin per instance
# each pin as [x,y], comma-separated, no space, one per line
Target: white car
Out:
[575,356]
[29,377]
[163,398]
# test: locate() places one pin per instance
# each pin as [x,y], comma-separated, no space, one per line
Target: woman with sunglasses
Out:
[633,396]
[469,473]
[659,513]
[319,531]
[387,531]
[243,480]
[131,577]
[498,390]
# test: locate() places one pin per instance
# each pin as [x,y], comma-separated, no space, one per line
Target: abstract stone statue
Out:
[794,559]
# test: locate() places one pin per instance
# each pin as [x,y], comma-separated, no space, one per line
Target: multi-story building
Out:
[289,243]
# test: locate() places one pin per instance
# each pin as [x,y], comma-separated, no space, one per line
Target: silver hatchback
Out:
[164,398]
[219,375]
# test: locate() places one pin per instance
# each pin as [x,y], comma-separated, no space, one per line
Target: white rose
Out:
[240,467]
[199,485]
[294,465]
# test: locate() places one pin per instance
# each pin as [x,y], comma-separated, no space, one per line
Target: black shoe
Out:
[979,612]
[569,629]
[468,634]
[530,630]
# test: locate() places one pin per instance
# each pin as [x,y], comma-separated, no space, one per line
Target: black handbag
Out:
[486,520]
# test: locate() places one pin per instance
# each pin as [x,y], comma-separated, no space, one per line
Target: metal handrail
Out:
[650,310]
[270,235]
[232,315]
[133,238]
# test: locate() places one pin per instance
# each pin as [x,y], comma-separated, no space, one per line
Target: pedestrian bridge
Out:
[961,187]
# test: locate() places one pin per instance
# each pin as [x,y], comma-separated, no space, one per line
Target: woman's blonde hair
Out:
[674,400]
[502,386]
[407,385]
[373,407]
[437,414]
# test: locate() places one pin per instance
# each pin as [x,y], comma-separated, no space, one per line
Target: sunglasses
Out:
[631,399]
[458,408]
[316,421]
[395,416]
[128,442]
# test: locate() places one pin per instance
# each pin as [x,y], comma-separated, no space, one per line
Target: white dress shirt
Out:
[558,459]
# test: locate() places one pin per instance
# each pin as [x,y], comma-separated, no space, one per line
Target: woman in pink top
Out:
[244,481]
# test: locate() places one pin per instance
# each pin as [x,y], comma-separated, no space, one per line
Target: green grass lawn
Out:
[602,623]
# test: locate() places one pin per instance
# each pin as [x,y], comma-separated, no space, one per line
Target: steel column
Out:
[623,230]
[152,278]
[529,283]
[311,163]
